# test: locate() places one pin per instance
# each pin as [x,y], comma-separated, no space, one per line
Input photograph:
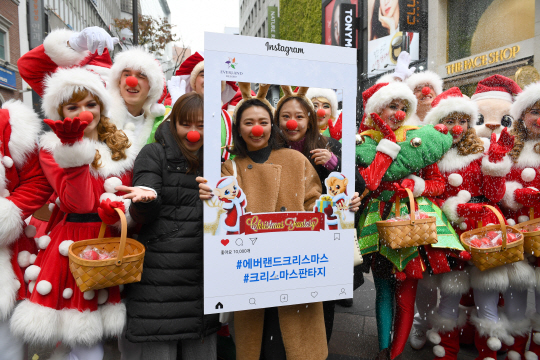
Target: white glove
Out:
[92,39]
[176,88]
[402,67]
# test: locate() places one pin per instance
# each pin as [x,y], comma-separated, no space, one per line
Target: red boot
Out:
[445,335]
[517,351]
[534,347]
[485,352]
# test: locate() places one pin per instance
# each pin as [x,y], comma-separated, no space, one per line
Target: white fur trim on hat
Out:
[111,183]
[328,94]
[527,98]
[195,72]
[426,77]
[419,185]
[450,205]
[138,59]
[497,95]
[499,169]
[44,287]
[11,222]
[451,105]
[63,248]
[508,200]
[389,148]
[23,259]
[455,179]
[528,174]
[385,95]
[79,154]
[56,47]
[60,86]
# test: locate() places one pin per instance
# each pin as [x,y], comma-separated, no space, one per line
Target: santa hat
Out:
[387,78]
[223,182]
[527,98]
[496,87]
[245,89]
[379,96]
[451,101]
[60,86]
[425,78]
[139,59]
[192,67]
[328,94]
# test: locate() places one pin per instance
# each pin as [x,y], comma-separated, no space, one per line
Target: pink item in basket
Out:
[492,239]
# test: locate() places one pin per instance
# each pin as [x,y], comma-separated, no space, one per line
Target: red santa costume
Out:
[57,311]
[473,179]
[23,190]
[234,207]
[522,194]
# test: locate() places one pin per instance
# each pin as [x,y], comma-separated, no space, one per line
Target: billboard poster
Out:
[262,259]
[385,38]
[334,13]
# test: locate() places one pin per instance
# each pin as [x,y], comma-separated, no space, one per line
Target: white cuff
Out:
[508,200]
[500,169]
[79,154]
[56,47]
[11,222]
[389,148]
[450,205]
[419,185]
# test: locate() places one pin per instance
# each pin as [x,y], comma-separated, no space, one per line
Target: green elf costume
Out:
[391,161]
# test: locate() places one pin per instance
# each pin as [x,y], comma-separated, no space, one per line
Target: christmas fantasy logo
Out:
[231,63]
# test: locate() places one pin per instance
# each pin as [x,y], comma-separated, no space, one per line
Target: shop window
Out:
[3,45]
[478,26]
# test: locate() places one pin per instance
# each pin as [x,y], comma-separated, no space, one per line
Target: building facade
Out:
[11,86]
[254,17]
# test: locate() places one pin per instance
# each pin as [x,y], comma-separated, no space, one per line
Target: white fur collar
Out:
[528,158]
[414,120]
[49,141]
[451,161]
[25,128]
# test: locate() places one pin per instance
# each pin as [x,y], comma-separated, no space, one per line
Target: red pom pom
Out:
[538,121]
[400,115]
[426,90]
[400,276]
[292,124]
[131,81]
[257,130]
[321,112]
[86,116]
[465,255]
[457,130]
[441,128]
[193,136]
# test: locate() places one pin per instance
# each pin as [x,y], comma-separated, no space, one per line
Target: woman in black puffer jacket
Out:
[167,305]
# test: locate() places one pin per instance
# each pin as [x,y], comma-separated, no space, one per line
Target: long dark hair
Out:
[376,27]
[276,141]
[189,108]
[313,138]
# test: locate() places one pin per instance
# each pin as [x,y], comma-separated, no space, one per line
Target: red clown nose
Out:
[321,112]
[86,116]
[426,90]
[193,136]
[457,130]
[131,81]
[400,115]
[538,121]
[257,130]
[292,124]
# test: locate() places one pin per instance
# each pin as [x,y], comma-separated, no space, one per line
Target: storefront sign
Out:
[8,78]
[35,17]
[413,19]
[273,22]
[256,260]
[347,25]
[491,58]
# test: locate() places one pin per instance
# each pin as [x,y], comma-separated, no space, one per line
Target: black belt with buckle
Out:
[83,218]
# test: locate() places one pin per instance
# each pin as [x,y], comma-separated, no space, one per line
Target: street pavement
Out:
[354,336]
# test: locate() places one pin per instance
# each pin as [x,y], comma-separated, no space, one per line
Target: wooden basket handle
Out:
[501,222]
[123,236]
[412,208]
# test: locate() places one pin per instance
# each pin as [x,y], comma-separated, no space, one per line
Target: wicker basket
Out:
[531,241]
[99,274]
[487,258]
[407,233]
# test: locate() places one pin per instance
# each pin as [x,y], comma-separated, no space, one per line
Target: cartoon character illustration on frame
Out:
[336,199]
[234,203]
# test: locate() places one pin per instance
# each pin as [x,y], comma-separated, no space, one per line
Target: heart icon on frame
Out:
[225,242]
[314,294]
